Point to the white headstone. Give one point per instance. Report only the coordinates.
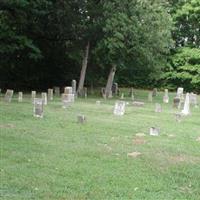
(186, 109)
(8, 96)
(166, 96)
(68, 90)
(119, 108)
(154, 131)
(20, 97)
(44, 98)
(67, 99)
(179, 92)
(38, 108)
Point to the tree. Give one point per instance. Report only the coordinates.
(136, 34)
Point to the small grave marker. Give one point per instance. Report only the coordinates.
(38, 108)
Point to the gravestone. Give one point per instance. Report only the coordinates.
(186, 109)
(44, 98)
(50, 94)
(176, 102)
(38, 108)
(155, 91)
(20, 97)
(67, 99)
(132, 94)
(166, 96)
(81, 119)
(154, 131)
(150, 96)
(193, 99)
(98, 102)
(74, 87)
(138, 103)
(8, 96)
(68, 90)
(115, 88)
(57, 91)
(158, 108)
(119, 108)
(33, 96)
(122, 96)
(179, 92)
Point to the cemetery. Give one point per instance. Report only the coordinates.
(100, 100)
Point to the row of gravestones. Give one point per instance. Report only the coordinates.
(190, 99)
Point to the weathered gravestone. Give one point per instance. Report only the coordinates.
(186, 109)
(50, 94)
(57, 91)
(119, 108)
(138, 103)
(33, 96)
(166, 96)
(67, 99)
(158, 108)
(193, 99)
(81, 119)
(38, 108)
(115, 89)
(68, 90)
(74, 87)
(179, 92)
(20, 97)
(8, 96)
(154, 131)
(176, 102)
(150, 96)
(44, 98)
(155, 91)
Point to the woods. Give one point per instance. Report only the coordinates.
(149, 43)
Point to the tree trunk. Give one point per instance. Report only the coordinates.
(108, 90)
(83, 69)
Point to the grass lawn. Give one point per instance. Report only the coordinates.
(56, 158)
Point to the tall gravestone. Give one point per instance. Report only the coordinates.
(166, 96)
(50, 94)
(150, 96)
(20, 97)
(57, 91)
(33, 96)
(44, 98)
(186, 109)
(74, 87)
(119, 108)
(8, 96)
(38, 110)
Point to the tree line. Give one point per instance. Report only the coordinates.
(138, 43)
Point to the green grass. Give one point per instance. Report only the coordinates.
(56, 158)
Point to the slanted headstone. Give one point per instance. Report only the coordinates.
(176, 102)
(119, 108)
(150, 96)
(57, 91)
(154, 131)
(20, 97)
(74, 87)
(8, 96)
(158, 108)
(44, 98)
(155, 91)
(166, 96)
(38, 108)
(33, 96)
(186, 109)
(50, 94)
(81, 119)
(138, 103)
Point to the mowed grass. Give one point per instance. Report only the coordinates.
(56, 158)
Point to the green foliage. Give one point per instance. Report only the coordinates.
(185, 70)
